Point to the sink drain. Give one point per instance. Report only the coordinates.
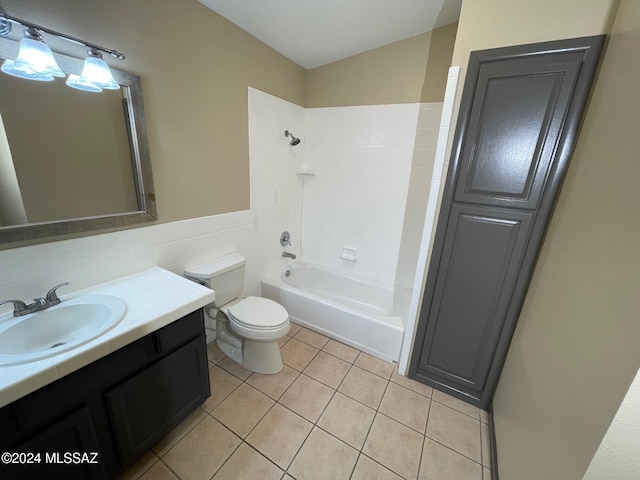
(56, 345)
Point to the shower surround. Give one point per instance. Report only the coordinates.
(359, 178)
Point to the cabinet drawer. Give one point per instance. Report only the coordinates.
(180, 332)
(147, 406)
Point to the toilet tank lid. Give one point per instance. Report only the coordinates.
(215, 267)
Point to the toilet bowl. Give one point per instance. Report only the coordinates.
(247, 330)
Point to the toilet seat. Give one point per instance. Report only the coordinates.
(257, 318)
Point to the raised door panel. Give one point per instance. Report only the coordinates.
(147, 406)
(483, 252)
(516, 120)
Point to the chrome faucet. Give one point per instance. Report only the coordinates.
(289, 255)
(41, 303)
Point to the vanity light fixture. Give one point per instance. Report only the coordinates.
(35, 60)
(96, 75)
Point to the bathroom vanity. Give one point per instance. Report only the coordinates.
(97, 420)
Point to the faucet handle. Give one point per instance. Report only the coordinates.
(52, 296)
(18, 306)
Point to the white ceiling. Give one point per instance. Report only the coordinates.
(316, 32)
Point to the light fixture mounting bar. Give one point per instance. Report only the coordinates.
(5, 28)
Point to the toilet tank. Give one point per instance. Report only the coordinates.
(224, 275)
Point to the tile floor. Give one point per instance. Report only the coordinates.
(332, 413)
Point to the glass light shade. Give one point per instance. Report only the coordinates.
(23, 71)
(38, 57)
(97, 71)
(81, 83)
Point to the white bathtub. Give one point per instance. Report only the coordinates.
(351, 310)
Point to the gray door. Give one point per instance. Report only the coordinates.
(520, 113)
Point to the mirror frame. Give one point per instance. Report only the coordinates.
(141, 166)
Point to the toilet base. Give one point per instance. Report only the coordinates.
(262, 357)
(230, 351)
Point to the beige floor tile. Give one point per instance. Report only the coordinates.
(293, 329)
(364, 387)
(243, 409)
(177, 433)
(311, 338)
(395, 446)
(214, 353)
(274, 385)
(279, 435)
(456, 404)
(486, 445)
(407, 407)
(455, 430)
(327, 369)
(412, 385)
(235, 368)
(347, 419)
(340, 350)
(202, 451)
(297, 354)
(486, 474)
(141, 465)
(222, 384)
(439, 462)
(283, 340)
(367, 469)
(375, 365)
(246, 463)
(307, 397)
(323, 457)
(159, 471)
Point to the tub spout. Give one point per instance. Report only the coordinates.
(289, 255)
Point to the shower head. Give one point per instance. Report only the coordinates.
(294, 141)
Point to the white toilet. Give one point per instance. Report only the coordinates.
(246, 330)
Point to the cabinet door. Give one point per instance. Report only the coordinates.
(519, 116)
(477, 271)
(147, 406)
(66, 451)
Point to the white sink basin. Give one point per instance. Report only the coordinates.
(75, 321)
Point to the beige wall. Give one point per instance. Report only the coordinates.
(440, 52)
(575, 350)
(195, 68)
(394, 73)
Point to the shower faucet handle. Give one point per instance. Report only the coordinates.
(285, 239)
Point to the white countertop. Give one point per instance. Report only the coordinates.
(154, 298)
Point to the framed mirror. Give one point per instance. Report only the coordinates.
(71, 161)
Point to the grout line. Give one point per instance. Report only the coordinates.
(177, 440)
(384, 466)
(169, 468)
(477, 419)
(403, 424)
(263, 455)
(454, 450)
(227, 459)
(353, 470)
(424, 439)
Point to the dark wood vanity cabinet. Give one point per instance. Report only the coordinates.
(97, 421)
